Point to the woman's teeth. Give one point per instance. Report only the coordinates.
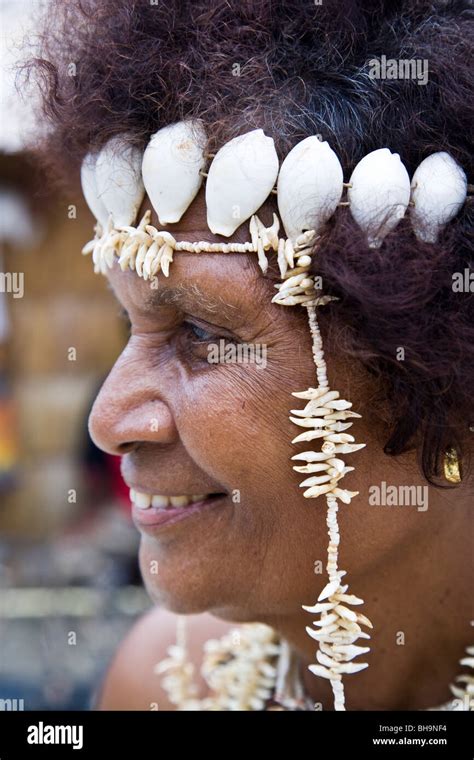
(146, 500)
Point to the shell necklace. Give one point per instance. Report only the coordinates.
(252, 668)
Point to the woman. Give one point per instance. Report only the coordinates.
(227, 535)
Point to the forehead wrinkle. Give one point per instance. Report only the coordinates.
(181, 295)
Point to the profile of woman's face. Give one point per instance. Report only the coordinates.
(186, 426)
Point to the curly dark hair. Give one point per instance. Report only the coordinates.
(295, 68)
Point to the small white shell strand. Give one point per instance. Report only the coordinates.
(439, 188)
(379, 193)
(149, 251)
(294, 261)
(309, 187)
(463, 689)
(239, 181)
(338, 627)
(171, 169)
(89, 188)
(119, 180)
(324, 417)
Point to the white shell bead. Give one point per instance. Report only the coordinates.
(89, 188)
(439, 188)
(171, 169)
(309, 186)
(379, 194)
(239, 181)
(119, 180)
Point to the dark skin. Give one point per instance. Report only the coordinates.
(218, 428)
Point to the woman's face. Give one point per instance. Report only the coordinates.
(185, 426)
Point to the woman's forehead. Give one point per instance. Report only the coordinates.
(222, 284)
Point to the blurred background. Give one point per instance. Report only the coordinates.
(69, 581)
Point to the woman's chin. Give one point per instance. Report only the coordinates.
(168, 586)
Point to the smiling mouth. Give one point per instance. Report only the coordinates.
(145, 501)
(154, 512)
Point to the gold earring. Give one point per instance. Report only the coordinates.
(452, 466)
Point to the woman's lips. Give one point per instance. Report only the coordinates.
(156, 510)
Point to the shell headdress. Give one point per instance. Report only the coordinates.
(309, 187)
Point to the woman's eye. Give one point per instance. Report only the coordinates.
(200, 344)
(201, 335)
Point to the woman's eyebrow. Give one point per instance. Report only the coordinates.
(191, 297)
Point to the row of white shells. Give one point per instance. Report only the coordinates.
(243, 173)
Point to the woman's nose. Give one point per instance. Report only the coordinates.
(128, 411)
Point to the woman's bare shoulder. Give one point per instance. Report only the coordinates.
(131, 683)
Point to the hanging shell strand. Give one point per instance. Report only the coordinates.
(325, 416)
